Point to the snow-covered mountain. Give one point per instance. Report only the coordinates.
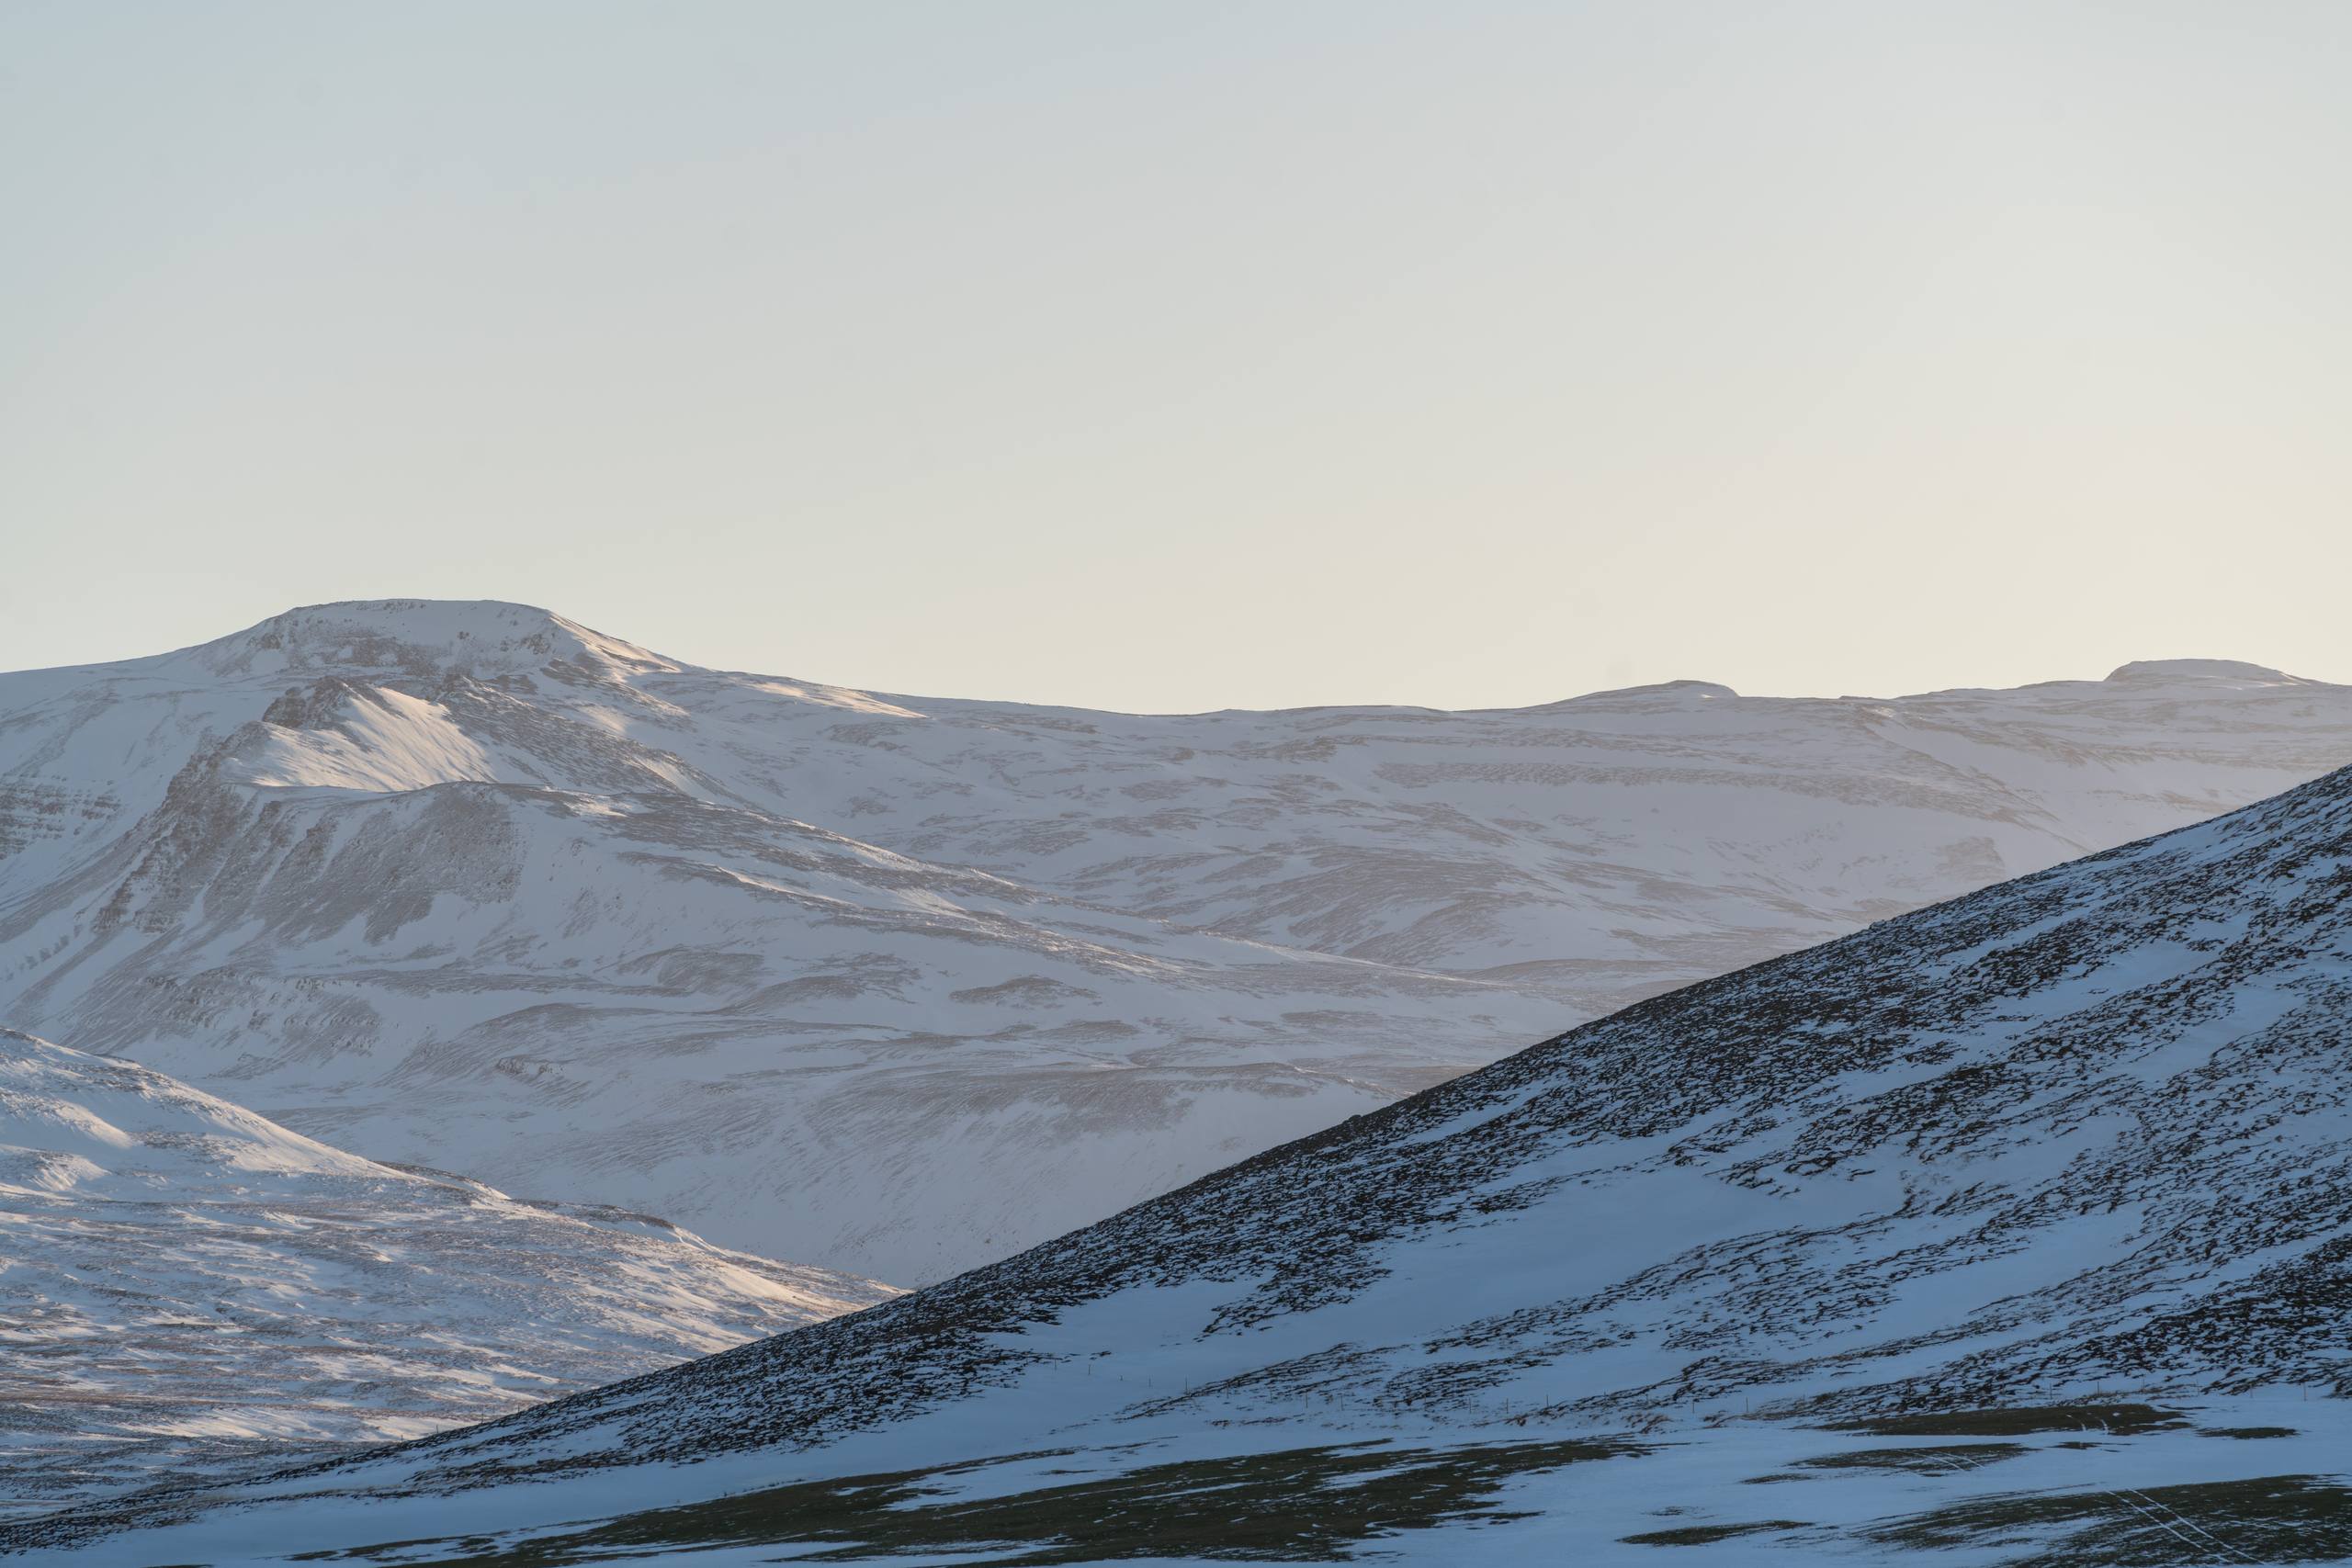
(186, 1287)
(900, 985)
(2020, 1224)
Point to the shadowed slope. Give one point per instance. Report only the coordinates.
(2088, 1129)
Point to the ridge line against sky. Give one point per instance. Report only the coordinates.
(397, 604)
(1162, 357)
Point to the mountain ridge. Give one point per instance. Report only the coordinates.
(473, 630)
(896, 983)
(2077, 1147)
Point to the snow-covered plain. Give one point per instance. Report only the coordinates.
(900, 985)
(2017, 1229)
(187, 1288)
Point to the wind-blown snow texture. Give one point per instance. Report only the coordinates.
(186, 1286)
(898, 985)
(2082, 1137)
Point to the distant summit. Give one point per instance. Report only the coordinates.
(1685, 690)
(424, 638)
(2205, 670)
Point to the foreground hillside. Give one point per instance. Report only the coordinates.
(186, 1287)
(2019, 1228)
(900, 985)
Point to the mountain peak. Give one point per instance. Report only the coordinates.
(1685, 691)
(2205, 670)
(424, 638)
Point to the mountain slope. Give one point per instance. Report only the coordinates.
(900, 985)
(185, 1286)
(2081, 1136)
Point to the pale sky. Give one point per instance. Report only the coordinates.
(1190, 355)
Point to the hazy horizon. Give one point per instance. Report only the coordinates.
(1167, 358)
